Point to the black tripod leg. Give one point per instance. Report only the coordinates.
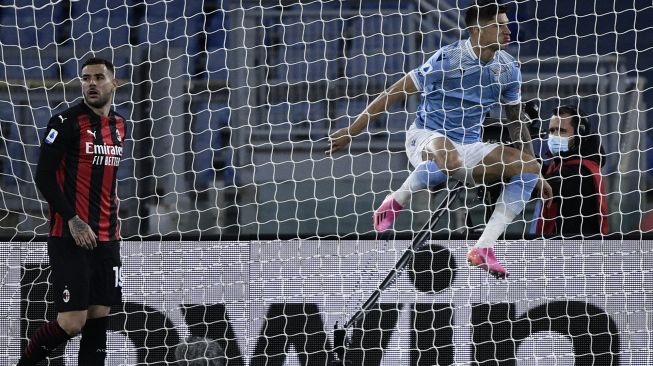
(339, 343)
(339, 335)
(417, 243)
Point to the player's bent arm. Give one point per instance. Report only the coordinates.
(521, 139)
(398, 91)
(518, 130)
(46, 181)
(395, 93)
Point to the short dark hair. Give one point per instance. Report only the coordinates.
(98, 61)
(579, 120)
(483, 10)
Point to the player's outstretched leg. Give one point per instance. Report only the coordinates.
(511, 202)
(426, 174)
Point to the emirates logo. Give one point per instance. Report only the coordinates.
(66, 295)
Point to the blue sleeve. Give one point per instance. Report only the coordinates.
(511, 93)
(428, 73)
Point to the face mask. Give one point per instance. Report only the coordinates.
(558, 144)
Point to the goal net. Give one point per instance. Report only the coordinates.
(239, 231)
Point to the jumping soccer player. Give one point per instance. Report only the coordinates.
(459, 85)
(76, 174)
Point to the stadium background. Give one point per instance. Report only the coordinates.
(230, 104)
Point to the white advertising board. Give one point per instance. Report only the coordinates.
(575, 302)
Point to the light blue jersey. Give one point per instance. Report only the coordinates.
(458, 90)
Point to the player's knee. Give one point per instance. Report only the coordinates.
(71, 325)
(448, 161)
(429, 174)
(521, 167)
(531, 167)
(453, 163)
(72, 329)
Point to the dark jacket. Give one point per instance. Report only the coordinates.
(579, 201)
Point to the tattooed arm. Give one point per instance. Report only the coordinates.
(521, 138)
(82, 233)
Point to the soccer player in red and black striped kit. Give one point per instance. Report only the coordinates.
(76, 174)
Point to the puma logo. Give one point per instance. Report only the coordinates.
(91, 133)
(61, 118)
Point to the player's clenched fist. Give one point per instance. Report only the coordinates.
(338, 140)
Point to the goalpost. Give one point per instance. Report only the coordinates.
(238, 229)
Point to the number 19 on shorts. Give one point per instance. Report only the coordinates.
(117, 271)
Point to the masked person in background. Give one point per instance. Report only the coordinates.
(574, 173)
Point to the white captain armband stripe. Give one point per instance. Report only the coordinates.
(514, 102)
(413, 76)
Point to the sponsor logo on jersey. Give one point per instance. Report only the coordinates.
(104, 154)
(103, 149)
(52, 135)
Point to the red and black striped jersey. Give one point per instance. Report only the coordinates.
(83, 151)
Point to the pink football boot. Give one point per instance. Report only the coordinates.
(484, 258)
(385, 215)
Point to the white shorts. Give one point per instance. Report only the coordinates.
(471, 154)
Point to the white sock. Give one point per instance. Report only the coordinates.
(497, 224)
(411, 185)
(511, 202)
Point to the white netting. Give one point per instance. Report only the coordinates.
(229, 104)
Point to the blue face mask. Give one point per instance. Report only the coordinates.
(558, 144)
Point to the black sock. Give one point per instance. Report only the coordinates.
(44, 340)
(93, 345)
